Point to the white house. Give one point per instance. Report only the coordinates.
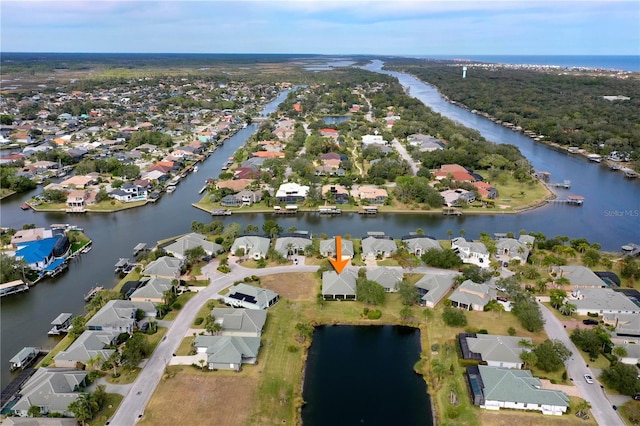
(471, 252)
(292, 192)
(373, 140)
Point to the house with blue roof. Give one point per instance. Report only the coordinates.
(41, 254)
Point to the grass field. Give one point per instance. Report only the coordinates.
(108, 410)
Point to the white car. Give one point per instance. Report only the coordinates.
(588, 379)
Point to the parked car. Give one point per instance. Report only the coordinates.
(590, 322)
(502, 299)
(636, 397)
(588, 379)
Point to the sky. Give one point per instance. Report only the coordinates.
(390, 27)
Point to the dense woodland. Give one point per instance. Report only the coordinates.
(567, 109)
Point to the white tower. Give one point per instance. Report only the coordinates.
(464, 72)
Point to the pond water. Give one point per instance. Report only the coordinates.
(364, 375)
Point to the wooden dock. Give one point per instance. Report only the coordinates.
(13, 287)
(220, 212)
(367, 210)
(451, 211)
(329, 210)
(92, 293)
(576, 200)
(566, 184)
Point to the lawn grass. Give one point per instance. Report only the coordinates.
(185, 346)
(107, 411)
(182, 300)
(61, 346)
(126, 376)
(388, 262)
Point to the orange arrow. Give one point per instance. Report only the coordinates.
(338, 263)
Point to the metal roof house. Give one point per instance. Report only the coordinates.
(328, 248)
(90, 344)
(389, 278)
(374, 246)
(165, 266)
(190, 241)
(292, 245)
(496, 351)
(120, 316)
(417, 244)
(250, 297)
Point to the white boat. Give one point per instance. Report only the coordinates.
(195, 169)
(595, 158)
(170, 189)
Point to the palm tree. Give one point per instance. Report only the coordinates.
(462, 233)
(202, 363)
(529, 358)
(619, 351)
(567, 309)
(449, 233)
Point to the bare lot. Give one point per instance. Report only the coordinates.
(509, 418)
(292, 286)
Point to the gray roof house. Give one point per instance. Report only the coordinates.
(228, 352)
(433, 287)
(471, 252)
(510, 248)
(626, 325)
(253, 246)
(472, 296)
(190, 241)
(240, 322)
(119, 315)
(579, 276)
(389, 278)
(250, 297)
(602, 301)
(339, 286)
(328, 248)
(633, 353)
(496, 351)
(417, 244)
(151, 290)
(90, 344)
(374, 246)
(39, 421)
(292, 245)
(51, 389)
(165, 266)
(498, 387)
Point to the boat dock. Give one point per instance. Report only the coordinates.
(61, 324)
(92, 293)
(631, 249)
(122, 265)
(291, 209)
(25, 357)
(13, 287)
(329, 210)
(631, 174)
(139, 248)
(565, 184)
(220, 212)
(576, 200)
(451, 211)
(366, 210)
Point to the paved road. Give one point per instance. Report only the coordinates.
(132, 407)
(601, 407)
(404, 154)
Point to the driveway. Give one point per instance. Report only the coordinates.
(404, 154)
(601, 406)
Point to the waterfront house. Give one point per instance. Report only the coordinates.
(472, 296)
(457, 197)
(128, 193)
(41, 254)
(165, 266)
(494, 350)
(79, 199)
(433, 287)
(240, 322)
(425, 143)
(602, 301)
(23, 358)
(493, 388)
(292, 192)
(418, 245)
(475, 253)
(250, 297)
(339, 286)
(632, 349)
(190, 241)
(152, 290)
(370, 194)
(90, 345)
(77, 182)
(26, 235)
(235, 185)
(328, 248)
(337, 194)
(292, 245)
(375, 246)
(253, 246)
(453, 172)
(120, 316)
(51, 390)
(579, 276)
(389, 278)
(228, 352)
(486, 191)
(511, 249)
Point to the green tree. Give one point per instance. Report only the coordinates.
(271, 228)
(557, 297)
(622, 377)
(529, 358)
(568, 309)
(406, 312)
(408, 293)
(134, 351)
(305, 331)
(454, 317)
(619, 351)
(551, 355)
(209, 324)
(194, 254)
(370, 292)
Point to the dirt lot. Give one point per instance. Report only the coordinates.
(215, 398)
(507, 418)
(293, 286)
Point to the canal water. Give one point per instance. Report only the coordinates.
(609, 217)
(364, 375)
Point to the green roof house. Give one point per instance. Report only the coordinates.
(389, 278)
(253, 246)
(190, 241)
(228, 352)
(328, 248)
(240, 322)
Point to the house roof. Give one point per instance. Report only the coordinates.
(228, 349)
(371, 245)
(497, 348)
(386, 277)
(423, 243)
(299, 243)
(436, 286)
(253, 244)
(330, 246)
(153, 289)
(474, 247)
(90, 344)
(164, 266)
(504, 384)
(241, 320)
(37, 250)
(261, 296)
(603, 299)
(578, 275)
(626, 324)
(470, 293)
(119, 313)
(339, 284)
(235, 184)
(192, 240)
(54, 388)
(292, 188)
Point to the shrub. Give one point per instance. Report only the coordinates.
(593, 314)
(471, 329)
(454, 317)
(435, 347)
(177, 306)
(483, 331)
(374, 315)
(292, 348)
(365, 310)
(511, 331)
(199, 321)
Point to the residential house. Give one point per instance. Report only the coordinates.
(579, 276)
(26, 235)
(472, 296)
(339, 286)
(120, 316)
(51, 390)
(240, 322)
(250, 297)
(129, 193)
(235, 185)
(418, 245)
(373, 140)
(253, 246)
(90, 345)
(328, 248)
(79, 199)
(389, 278)
(292, 192)
(190, 241)
(454, 172)
(337, 194)
(370, 194)
(632, 356)
(510, 248)
(77, 182)
(228, 352)
(165, 266)
(495, 387)
(242, 198)
(41, 254)
(152, 289)
(602, 301)
(433, 287)
(330, 133)
(494, 350)
(250, 173)
(475, 253)
(457, 197)
(627, 326)
(486, 191)
(292, 245)
(425, 143)
(375, 246)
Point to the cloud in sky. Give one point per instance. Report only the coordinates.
(305, 26)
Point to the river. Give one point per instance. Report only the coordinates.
(609, 216)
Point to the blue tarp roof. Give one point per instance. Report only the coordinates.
(38, 250)
(54, 265)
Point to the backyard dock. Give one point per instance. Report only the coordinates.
(92, 293)
(329, 210)
(366, 210)
(220, 212)
(13, 287)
